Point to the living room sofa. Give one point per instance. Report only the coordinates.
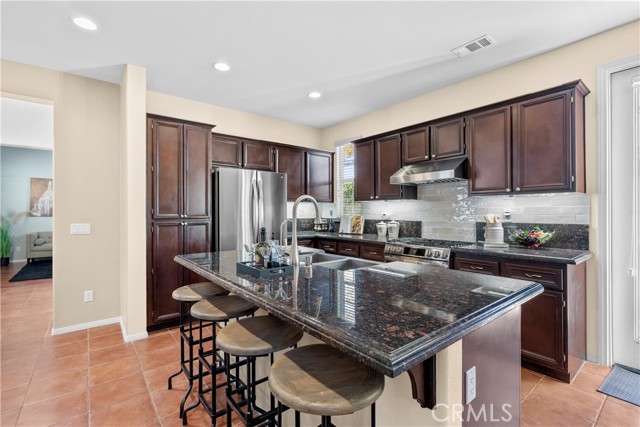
(39, 245)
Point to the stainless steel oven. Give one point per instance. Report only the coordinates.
(421, 251)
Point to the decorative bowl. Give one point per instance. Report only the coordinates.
(532, 238)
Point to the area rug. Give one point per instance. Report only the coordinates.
(34, 270)
(622, 383)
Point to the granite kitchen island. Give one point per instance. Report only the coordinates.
(394, 320)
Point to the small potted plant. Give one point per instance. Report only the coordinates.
(5, 241)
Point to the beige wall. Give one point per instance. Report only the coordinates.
(233, 122)
(577, 61)
(85, 172)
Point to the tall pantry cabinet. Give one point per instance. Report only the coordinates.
(178, 209)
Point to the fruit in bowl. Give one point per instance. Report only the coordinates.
(532, 239)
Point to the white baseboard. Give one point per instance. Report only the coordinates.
(134, 337)
(18, 260)
(88, 325)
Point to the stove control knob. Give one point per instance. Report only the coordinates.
(445, 255)
(429, 252)
(436, 254)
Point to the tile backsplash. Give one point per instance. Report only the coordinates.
(448, 212)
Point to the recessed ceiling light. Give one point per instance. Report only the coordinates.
(85, 23)
(221, 66)
(314, 95)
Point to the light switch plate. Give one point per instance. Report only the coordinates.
(80, 228)
(470, 381)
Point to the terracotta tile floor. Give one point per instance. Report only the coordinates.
(93, 378)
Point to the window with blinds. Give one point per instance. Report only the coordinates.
(345, 175)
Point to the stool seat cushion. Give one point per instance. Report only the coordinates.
(198, 291)
(320, 380)
(222, 308)
(257, 336)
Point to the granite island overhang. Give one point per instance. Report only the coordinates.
(388, 322)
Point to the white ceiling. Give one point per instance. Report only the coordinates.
(26, 124)
(361, 55)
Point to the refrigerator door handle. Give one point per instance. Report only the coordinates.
(254, 210)
(260, 205)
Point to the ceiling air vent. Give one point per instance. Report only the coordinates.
(474, 46)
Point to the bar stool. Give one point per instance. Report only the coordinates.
(187, 295)
(218, 309)
(319, 380)
(249, 339)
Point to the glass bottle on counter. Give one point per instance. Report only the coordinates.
(263, 256)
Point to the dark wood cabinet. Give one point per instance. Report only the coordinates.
(554, 322)
(388, 161)
(329, 246)
(415, 146)
(226, 151)
(179, 157)
(542, 330)
(364, 166)
(372, 251)
(447, 138)
(349, 249)
(375, 161)
(488, 135)
(488, 267)
(319, 175)
(533, 145)
(257, 155)
(542, 144)
(291, 161)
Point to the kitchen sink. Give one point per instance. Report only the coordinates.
(345, 264)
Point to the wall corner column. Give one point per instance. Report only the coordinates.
(133, 277)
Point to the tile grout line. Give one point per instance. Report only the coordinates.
(146, 383)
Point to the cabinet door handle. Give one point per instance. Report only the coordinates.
(433, 156)
(426, 157)
(377, 197)
(348, 249)
(508, 190)
(533, 276)
(473, 267)
(371, 197)
(373, 253)
(517, 188)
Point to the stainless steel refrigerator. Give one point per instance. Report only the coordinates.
(243, 202)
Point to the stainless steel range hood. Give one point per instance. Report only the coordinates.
(432, 172)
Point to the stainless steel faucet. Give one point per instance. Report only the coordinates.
(283, 232)
(294, 226)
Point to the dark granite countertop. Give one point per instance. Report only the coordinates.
(368, 238)
(557, 255)
(388, 322)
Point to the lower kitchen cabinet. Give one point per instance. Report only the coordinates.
(372, 251)
(553, 324)
(349, 249)
(329, 246)
(168, 239)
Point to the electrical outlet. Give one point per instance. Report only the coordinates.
(88, 296)
(18, 248)
(385, 216)
(470, 381)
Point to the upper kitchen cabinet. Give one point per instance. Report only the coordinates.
(291, 160)
(179, 157)
(226, 151)
(489, 141)
(319, 175)
(415, 147)
(530, 145)
(258, 155)
(233, 151)
(375, 161)
(447, 138)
